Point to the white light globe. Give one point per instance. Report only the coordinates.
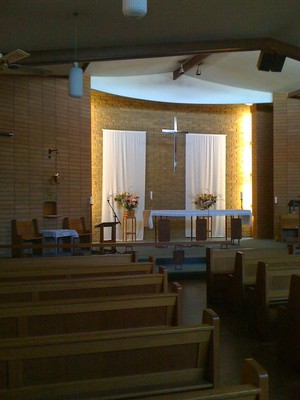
(135, 8)
(75, 81)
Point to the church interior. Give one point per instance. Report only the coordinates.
(150, 211)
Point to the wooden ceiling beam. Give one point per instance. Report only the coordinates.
(294, 95)
(66, 56)
(189, 64)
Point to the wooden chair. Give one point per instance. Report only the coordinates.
(23, 232)
(78, 224)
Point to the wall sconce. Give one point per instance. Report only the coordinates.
(56, 178)
(4, 133)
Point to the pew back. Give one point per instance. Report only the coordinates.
(93, 260)
(36, 292)
(289, 325)
(271, 290)
(91, 314)
(219, 263)
(132, 362)
(273, 281)
(246, 267)
(40, 272)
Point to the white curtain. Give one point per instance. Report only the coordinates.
(124, 160)
(206, 172)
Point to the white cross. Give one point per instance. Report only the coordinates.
(174, 131)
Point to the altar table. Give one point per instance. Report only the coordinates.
(59, 233)
(245, 215)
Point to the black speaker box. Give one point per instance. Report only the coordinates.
(270, 61)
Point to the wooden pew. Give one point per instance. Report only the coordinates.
(91, 314)
(245, 267)
(38, 272)
(289, 326)
(271, 290)
(219, 263)
(108, 364)
(25, 232)
(254, 385)
(37, 292)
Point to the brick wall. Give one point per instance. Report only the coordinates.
(116, 112)
(286, 154)
(43, 116)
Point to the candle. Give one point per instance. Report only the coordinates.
(241, 195)
(151, 195)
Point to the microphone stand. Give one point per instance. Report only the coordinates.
(116, 218)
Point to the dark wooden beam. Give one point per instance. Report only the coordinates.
(189, 64)
(294, 95)
(66, 56)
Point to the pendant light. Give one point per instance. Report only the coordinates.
(135, 8)
(76, 73)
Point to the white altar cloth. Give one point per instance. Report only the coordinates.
(59, 233)
(244, 214)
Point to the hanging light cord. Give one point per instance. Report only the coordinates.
(75, 35)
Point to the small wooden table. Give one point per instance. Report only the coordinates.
(57, 234)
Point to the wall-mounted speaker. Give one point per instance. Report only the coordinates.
(270, 61)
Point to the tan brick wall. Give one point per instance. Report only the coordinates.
(286, 154)
(43, 116)
(116, 112)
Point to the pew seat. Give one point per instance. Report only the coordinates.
(254, 385)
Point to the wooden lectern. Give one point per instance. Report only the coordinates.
(113, 227)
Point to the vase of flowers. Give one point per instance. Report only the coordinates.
(128, 201)
(204, 201)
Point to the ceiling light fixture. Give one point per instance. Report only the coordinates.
(76, 73)
(135, 8)
(198, 72)
(181, 69)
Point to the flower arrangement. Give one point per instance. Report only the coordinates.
(204, 201)
(127, 200)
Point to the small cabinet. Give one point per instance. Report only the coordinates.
(289, 224)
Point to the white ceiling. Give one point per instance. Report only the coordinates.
(117, 49)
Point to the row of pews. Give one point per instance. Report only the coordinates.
(107, 327)
(264, 285)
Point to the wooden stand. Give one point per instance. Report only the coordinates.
(112, 226)
(203, 228)
(236, 229)
(164, 230)
(129, 225)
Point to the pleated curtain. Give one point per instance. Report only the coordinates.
(124, 165)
